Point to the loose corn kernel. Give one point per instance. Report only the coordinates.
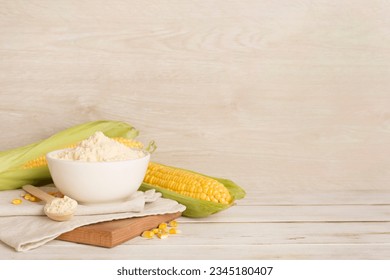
(162, 226)
(155, 230)
(56, 194)
(163, 231)
(148, 234)
(174, 231)
(173, 223)
(33, 199)
(16, 201)
(162, 235)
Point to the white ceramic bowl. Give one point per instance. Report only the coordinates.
(97, 182)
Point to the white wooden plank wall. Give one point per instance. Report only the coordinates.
(290, 99)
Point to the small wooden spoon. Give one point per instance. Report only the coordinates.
(48, 199)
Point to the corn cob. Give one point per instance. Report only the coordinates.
(202, 195)
(13, 171)
(187, 183)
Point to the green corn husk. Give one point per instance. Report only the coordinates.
(197, 208)
(12, 174)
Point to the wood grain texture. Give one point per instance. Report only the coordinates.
(112, 233)
(220, 252)
(290, 99)
(301, 213)
(242, 241)
(294, 94)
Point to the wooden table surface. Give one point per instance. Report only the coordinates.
(290, 99)
(329, 225)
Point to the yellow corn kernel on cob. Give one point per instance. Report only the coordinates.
(41, 160)
(202, 195)
(187, 183)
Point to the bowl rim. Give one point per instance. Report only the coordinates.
(49, 156)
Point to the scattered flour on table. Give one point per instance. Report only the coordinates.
(61, 206)
(99, 147)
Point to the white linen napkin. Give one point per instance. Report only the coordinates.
(25, 226)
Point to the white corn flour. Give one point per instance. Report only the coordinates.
(61, 206)
(99, 147)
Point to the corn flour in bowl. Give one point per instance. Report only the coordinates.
(98, 170)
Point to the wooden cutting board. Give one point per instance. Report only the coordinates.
(112, 233)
